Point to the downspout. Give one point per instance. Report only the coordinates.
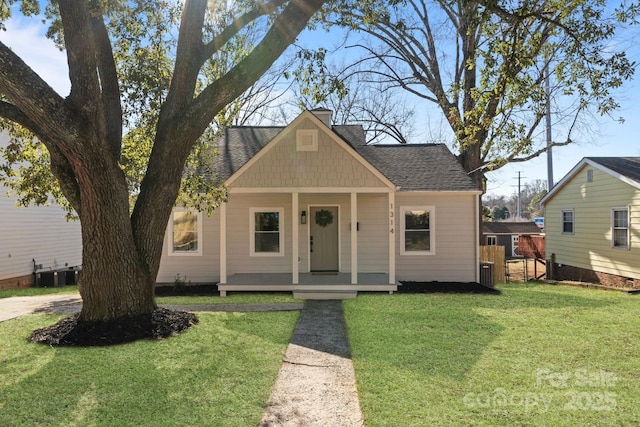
(477, 233)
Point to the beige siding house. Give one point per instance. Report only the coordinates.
(592, 222)
(34, 239)
(313, 207)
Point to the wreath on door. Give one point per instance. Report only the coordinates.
(324, 218)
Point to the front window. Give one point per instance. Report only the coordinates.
(620, 227)
(185, 229)
(267, 231)
(567, 221)
(417, 230)
(492, 240)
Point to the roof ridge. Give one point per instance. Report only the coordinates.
(254, 127)
(418, 144)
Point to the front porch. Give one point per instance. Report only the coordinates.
(310, 285)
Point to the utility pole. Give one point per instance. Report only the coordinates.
(519, 215)
(547, 89)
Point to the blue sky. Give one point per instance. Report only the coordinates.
(601, 135)
(607, 136)
(610, 138)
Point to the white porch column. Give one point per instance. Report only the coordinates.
(222, 211)
(354, 238)
(295, 228)
(392, 238)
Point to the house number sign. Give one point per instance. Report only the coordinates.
(391, 218)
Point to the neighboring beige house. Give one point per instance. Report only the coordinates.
(592, 222)
(36, 239)
(313, 208)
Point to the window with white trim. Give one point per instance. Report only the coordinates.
(567, 221)
(492, 240)
(267, 231)
(620, 228)
(185, 232)
(417, 236)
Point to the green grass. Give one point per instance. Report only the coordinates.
(29, 292)
(218, 373)
(536, 355)
(233, 298)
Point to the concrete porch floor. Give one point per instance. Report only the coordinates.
(310, 286)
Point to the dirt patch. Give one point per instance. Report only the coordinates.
(521, 270)
(161, 323)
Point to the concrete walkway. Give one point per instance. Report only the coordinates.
(316, 384)
(12, 307)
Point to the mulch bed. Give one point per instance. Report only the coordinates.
(162, 323)
(188, 290)
(445, 287)
(407, 287)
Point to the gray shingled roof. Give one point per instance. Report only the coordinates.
(625, 166)
(412, 167)
(510, 228)
(239, 145)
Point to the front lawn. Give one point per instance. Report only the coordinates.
(535, 355)
(219, 372)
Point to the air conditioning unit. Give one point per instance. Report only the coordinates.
(46, 279)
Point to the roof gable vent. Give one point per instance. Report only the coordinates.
(307, 140)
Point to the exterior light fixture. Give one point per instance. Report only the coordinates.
(303, 217)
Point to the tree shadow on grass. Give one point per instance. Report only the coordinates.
(445, 334)
(444, 341)
(193, 379)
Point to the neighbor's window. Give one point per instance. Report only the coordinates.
(492, 240)
(620, 227)
(267, 231)
(567, 221)
(185, 229)
(417, 230)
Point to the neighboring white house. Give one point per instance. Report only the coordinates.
(312, 205)
(592, 222)
(36, 238)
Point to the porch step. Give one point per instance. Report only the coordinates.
(310, 287)
(326, 294)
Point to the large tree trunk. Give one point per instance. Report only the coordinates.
(471, 162)
(116, 281)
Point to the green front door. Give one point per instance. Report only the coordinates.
(323, 238)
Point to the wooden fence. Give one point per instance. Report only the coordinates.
(494, 254)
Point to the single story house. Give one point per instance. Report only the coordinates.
(507, 234)
(592, 222)
(312, 207)
(35, 242)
